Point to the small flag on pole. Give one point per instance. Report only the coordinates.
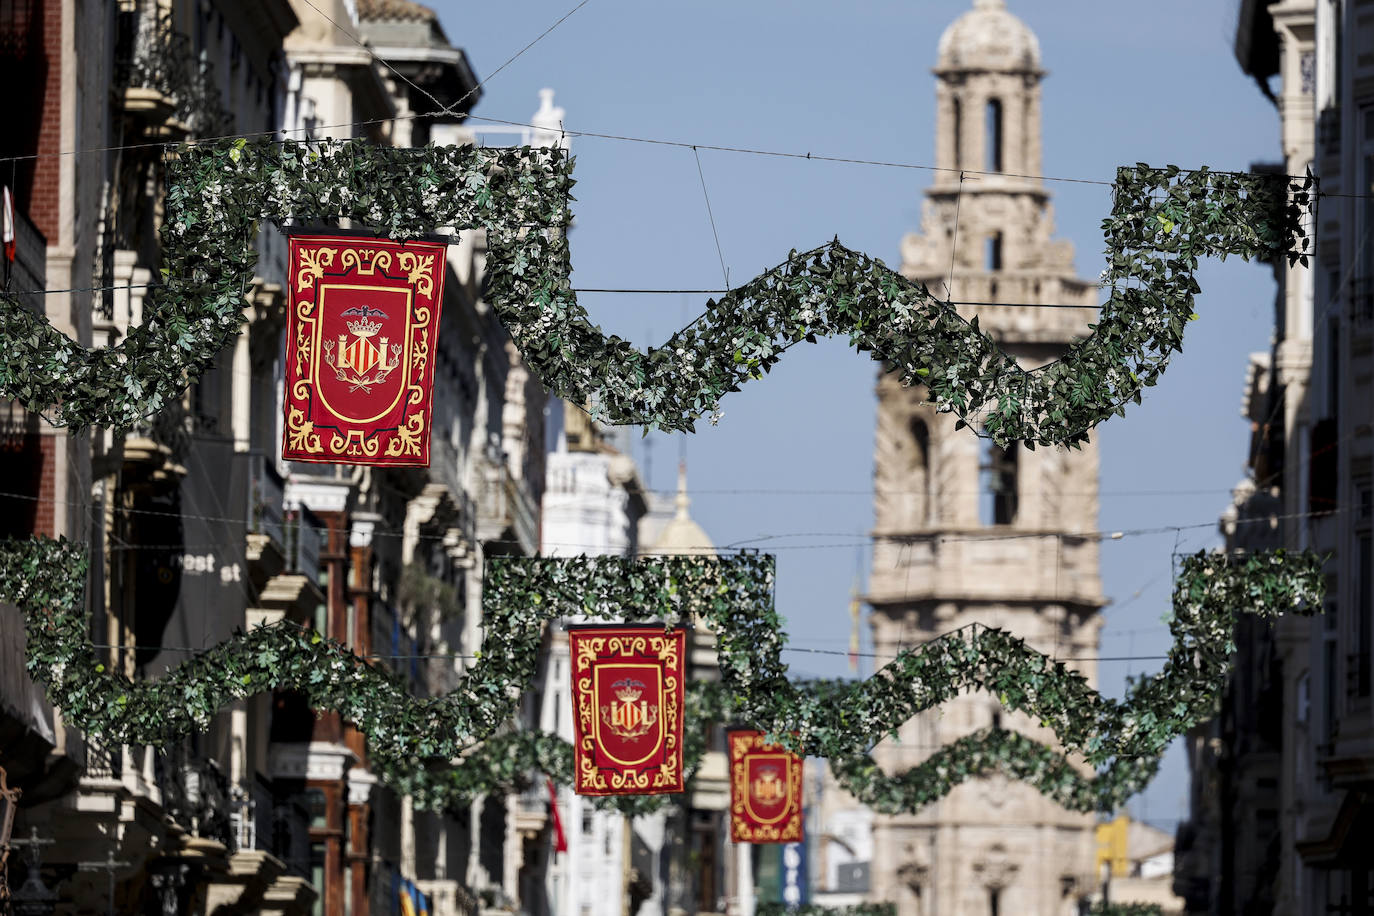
(560, 839)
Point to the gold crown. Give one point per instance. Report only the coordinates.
(628, 691)
(365, 328)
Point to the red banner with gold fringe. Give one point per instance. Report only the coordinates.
(627, 692)
(361, 334)
(765, 790)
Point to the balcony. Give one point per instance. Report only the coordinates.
(166, 91)
(269, 854)
(266, 539)
(304, 541)
(195, 795)
(506, 510)
(532, 809)
(295, 589)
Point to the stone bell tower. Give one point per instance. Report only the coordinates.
(969, 532)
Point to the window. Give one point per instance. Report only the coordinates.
(992, 252)
(1364, 226)
(1330, 665)
(1333, 366)
(916, 487)
(958, 134)
(1364, 606)
(994, 901)
(318, 806)
(992, 132)
(317, 877)
(997, 484)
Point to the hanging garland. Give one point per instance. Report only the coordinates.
(732, 596)
(812, 909)
(216, 195)
(504, 763)
(1162, 222)
(1126, 909)
(995, 750)
(46, 579)
(838, 720)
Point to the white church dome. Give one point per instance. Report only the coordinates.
(988, 37)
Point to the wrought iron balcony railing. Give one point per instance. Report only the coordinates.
(152, 55)
(195, 793)
(304, 540)
(265, 493)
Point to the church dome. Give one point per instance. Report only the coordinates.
(682, 535)
(988, 37)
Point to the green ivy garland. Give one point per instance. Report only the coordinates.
(733, 596)
(216, 195)
(812, 909)
(1126, 909)
(838, 720)
(1162, 222)
(503, 763)
(995, 750)
(46, 578)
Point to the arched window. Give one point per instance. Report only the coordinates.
(958, 134)
(997, 484)
(917, 495)
(920, 440)
(992, 253)
(992, 132)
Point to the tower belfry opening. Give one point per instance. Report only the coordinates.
(967, 531)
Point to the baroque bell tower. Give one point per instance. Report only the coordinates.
(969, 532)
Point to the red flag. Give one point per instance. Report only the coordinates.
(360, 349)
(560, 839)
(627, 690)
(765, 790)
(7, 224)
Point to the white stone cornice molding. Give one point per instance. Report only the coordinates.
(321, 761)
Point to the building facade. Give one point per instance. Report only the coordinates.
(967, 531)
(1281, 819)
(594, 501)
(197, 528)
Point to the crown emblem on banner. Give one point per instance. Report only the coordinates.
(628, 716)
(627, 691)
(364, 327)
(768, 786)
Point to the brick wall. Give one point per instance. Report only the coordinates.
(27, 469)
(43, 204)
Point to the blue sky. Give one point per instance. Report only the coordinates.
(793, 454)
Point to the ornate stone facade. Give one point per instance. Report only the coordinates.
(967, 531)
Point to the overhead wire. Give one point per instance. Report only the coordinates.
(748, 544)
(602, 135)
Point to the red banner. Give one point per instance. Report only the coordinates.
(765, 790)
(627, 692)
(361, 336)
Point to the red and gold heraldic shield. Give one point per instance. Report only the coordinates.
(361, 335)
(627, 690)
(765, 790)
